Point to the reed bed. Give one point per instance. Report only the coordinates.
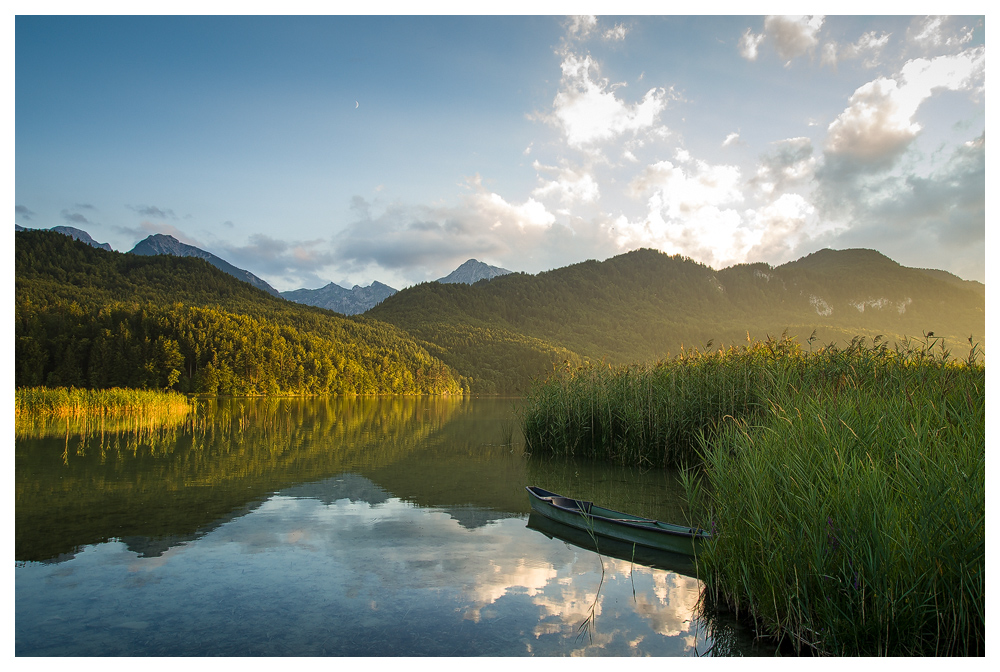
(650, 415)
(845, 487)
(62, 402)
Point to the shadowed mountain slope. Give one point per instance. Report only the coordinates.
(645, 305)
(163, 244)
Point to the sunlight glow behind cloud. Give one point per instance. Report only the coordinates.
(724, 139)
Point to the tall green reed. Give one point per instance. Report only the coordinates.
(845, 486)
(649, 415)
(851, 515)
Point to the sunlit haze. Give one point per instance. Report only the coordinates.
(393, 148)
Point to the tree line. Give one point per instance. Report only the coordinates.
(90, 318)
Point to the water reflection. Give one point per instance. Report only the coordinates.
(305, 575)
(326, 527)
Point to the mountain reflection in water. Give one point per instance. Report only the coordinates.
(326, 527)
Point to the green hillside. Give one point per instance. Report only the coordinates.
(645, 305)
(90, 318)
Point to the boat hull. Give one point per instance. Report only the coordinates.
(657, 558)
(616, 525)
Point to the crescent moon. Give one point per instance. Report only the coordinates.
(355, 104)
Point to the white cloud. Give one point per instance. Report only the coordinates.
(616, 34)
(921, 219)
(793, 36)
(691, 188)
(878, 123)
(782, 226)
(789, 36)
(589, 112)
(868, 47)
(689, 211)
(579, 27)
(421, 242)
(569, 186)
(730, 139)
(934, 33)
(789, 166)
(749, 45)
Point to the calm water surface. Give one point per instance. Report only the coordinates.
(350, 527)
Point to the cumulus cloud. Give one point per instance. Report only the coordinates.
(569, 185)
(789, 36)
(781, 227)
(588, 111)
(23, 212)
(691, 187)
(924, 219)
(793, 36)
(732, 138)
(878, 124)
(420, 242)
(791, 164)
(691, 209)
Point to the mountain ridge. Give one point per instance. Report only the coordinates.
(640, 306)
(347, 301)
(86, 317)
(72, 232)
(472, 271)
(644, 305)
(160, 243)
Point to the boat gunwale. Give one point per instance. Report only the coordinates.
(586, 510)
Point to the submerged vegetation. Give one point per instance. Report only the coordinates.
(845, 486)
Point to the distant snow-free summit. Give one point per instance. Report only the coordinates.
(472, 272)
(359, 299)
(73, 232)
(160, 243)
(346, 301)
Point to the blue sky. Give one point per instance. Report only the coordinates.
(393, 148)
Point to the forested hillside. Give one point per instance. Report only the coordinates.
(646, 305)
(87, 317)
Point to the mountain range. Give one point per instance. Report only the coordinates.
(87, 317)
(346, 301)
(333, 297)
(644, 305)
(361, 299)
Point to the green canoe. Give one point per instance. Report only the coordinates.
(625, 527)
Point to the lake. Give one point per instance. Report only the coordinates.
(336, 527)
